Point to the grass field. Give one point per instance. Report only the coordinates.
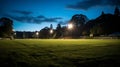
(60, 53)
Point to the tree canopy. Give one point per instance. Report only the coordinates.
(6, 29)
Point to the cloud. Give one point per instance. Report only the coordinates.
(31, 19)
(40, 16)
(22, 12)
(52, 19)
(26, 17)
(49, 19)
(86, 4)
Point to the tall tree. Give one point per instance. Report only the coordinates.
(116, 12)
(78, 20)
(103, 13)
(58, 31)
(6, 29)
(51, 26)
(45, 32)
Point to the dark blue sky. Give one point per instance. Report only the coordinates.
(33, 15)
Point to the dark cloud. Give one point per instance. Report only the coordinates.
(52, 19)
(86, 4)
(26, 17)
(41, 16)
(57, 18)
(22, 12)
(48, 19)
(31, 19)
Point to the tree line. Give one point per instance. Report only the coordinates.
(105, 24)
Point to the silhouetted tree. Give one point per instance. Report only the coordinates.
(96, 30)
(105, 24)
(116, 12)
(51, 26)
(45, 32)
(103, 13)
(58, 31)
(78, 20)
(6, 29)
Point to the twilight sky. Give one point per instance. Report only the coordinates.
(33, 15)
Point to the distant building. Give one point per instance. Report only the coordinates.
(24, 34)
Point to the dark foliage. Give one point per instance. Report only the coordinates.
(103, 25)
(6, 29)
(58, 31)
(78, 21)
(45, 32)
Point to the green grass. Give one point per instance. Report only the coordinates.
(60, 53)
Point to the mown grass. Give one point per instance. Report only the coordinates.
(60, 53)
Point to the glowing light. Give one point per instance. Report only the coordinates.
(70, 26)
(14, 33)
(51, 31)
(37, 33)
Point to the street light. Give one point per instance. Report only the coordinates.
(37, 33)
(51, 31)
(70, 26)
